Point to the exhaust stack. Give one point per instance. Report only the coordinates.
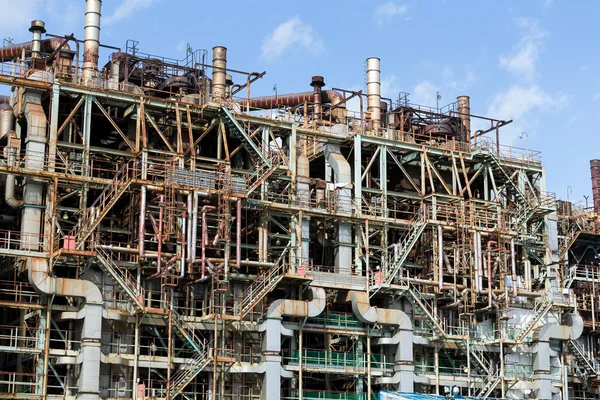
(464, 113)
(374, 90)
(595, 170)
(91, 40)
(37, 28)
(219, 89)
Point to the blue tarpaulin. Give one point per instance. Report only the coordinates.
(384, 395)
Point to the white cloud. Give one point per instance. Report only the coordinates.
(522, 62)
(523, 104)
(126, 9)
(389, 88)
(18, 14)
(547, 3)
(385, 13)
(293, 32)
(424, 93)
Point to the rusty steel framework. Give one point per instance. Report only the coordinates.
(163, 237)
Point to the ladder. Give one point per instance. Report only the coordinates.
(91, 217)
(238, 130)
(121, 276)
(260, 287)
(190, 370)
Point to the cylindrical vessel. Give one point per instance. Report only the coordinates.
(374, 89)
(464, 113)
(91, 39)
(595, 170)
(219, 73)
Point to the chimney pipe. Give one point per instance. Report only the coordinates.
(374, 90)
(595, 170)
(219, 73)
(91, 40)
(317, 83)
(464, 113)
(37, 28)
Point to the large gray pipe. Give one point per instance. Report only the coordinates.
(219, 89)
(374, 90)
(343, 201)
(89, 377)
(6, 130)
(91, 40)
(35, 150)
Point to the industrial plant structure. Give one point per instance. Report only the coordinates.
(165, 234)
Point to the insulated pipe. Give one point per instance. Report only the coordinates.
(204, 238)
(41, 281)
(464, 113)
(489, 271)
(190, 201)
(513, 266)
(238, 237)
(142, 220)
(159, 236)
(183, 244)
(91, 40)
(292, 99)
(219, 73)
(194, 240)
(374, 90)
(299, 308)
(440, 258)
(6, 129)
(11, 52)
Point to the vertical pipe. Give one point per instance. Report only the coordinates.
(464, 113)
(374, 90)
(159, 236)
(440, 258)
(194, 226)
(183, 244)
(317, 83)
(595, 172)
(513, 266)
(204, 240)
(219, 73)
(238, 235)
(489, 271)
(142, 221)
(189, 227)
(91, 39)
(37, 28)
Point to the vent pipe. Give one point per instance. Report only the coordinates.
(374, 90)
(37, 28)
(595, 170)
(464, 113)
(219, 73)
(91, 40)
(317, 83)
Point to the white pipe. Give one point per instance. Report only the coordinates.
(142, 221)
(189, 227)
(6, 129)
(91, 40)
(513, 266)
(238, 237)
(195, 226)
(183, 244)
(37, 28)
(374, 90)
(440, 258)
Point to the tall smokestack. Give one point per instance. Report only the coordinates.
(374, 90)
(91, 40)
(595, 170)
(464, 113)
(37, 28)
(219, 89)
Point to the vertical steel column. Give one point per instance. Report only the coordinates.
(53, 127)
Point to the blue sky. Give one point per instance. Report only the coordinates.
(532, 61)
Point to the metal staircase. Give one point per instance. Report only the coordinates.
(260, 287)
(238, 130)
(122, 277)
(186, 330)
(406, 243)
(591, 371)
(190, 370)
(489, 383)
(419, 302)
(541, 306)
(92, 216)
(261, 173)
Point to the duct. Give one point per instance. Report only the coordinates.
(343, 203)
(219, 73)
(91, 40)
(572, 330)
(464, 113)
(9, 53)
(374, 90)
(403, 339)
(299, 308)
(35, 146)
(293, 99)
(271, 388)
(89, 387)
